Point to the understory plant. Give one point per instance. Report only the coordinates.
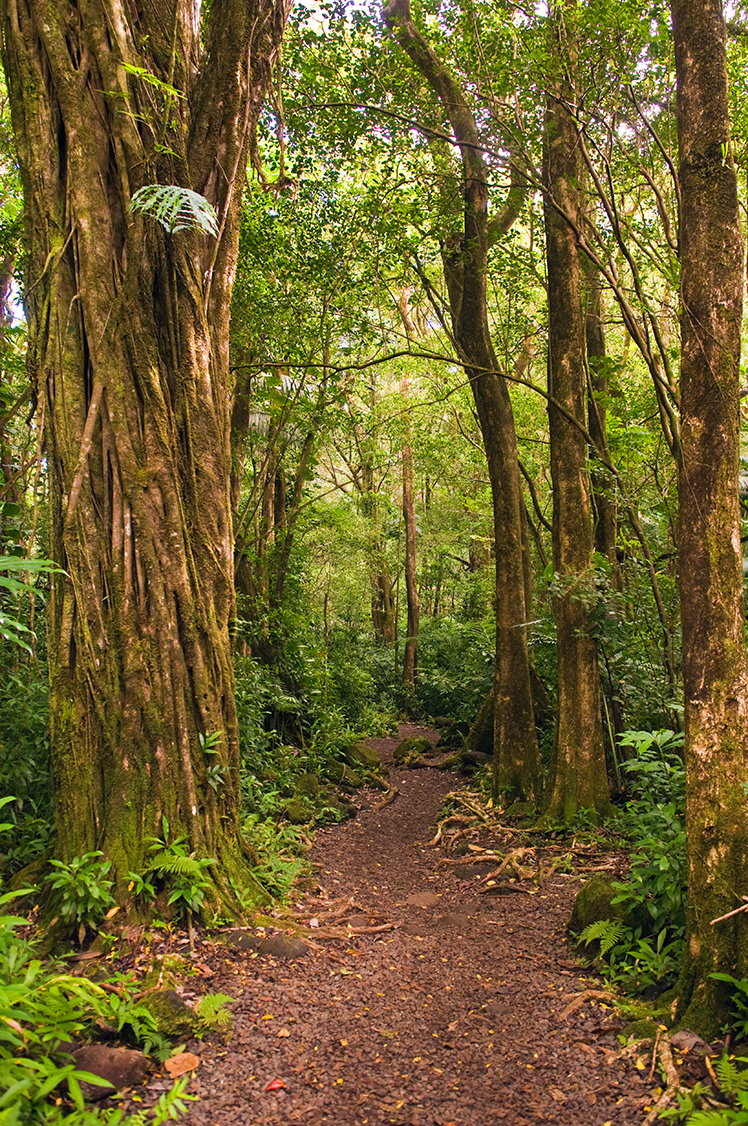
(644, 952)
(41, 1010)
(733, 1084)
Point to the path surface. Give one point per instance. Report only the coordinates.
(450, 1019)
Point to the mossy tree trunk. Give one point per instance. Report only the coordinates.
(517, 767)
(128, 348)
(578, 778)
(715, 681)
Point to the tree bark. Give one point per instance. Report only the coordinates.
(411, 584)
(578, 778)
(517, 767)
(128, 329)
(714, 660)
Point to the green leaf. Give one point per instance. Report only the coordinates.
(176, 209)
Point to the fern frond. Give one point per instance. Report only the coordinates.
(176, 209)
(171, 864)
(732, 1078)
(608, 932)
(213, 1012)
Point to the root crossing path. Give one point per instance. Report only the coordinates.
(442, 1006)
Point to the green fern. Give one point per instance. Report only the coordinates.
(608, 932)
(732, 1078)
(172, 864)
(213, 1012)
(176, 209)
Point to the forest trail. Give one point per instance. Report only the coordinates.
(450, 1018)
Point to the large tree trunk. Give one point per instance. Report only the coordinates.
(578, 778)
(714, 661)
(128, 348)
(517, 768)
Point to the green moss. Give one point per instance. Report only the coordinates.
(640, 1030)
(363, 755)
(411, 750)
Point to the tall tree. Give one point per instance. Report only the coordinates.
(517, 770)
(715, 679)
(128, 328)
(578, 778)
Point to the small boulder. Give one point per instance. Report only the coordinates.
(307, 785)
(474, 760)
(521, 810)
(243, 941)
(341, 772)
(362, 754)
(118, 1067)
(411, 750)
(297, 811)
(173, 1017)
(283, 946)
(594, 903)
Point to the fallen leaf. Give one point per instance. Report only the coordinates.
(451, 1027)
(181, 1064)
(111, 913)
(276, 1085)
(284, 1032)
(268, 1016)
(314, 923)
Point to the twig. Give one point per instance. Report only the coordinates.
(729, 915)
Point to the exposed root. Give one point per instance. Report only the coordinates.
(672, 1080)
(476, 858)
(589, 995)
(388, 798)
(512, 861)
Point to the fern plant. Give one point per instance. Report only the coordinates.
(608, 932)
(175, 208)
(182, 873)
(734, 1083)
(213, 1012)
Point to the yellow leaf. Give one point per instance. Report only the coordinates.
(640, 1064)
(268, 1016)
(111, 913)
(344, 1043)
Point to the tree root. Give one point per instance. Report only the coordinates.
(672, 1080)
(578, 1000)
(388, 798)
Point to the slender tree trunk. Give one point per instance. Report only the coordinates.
(128, 330)
(517, 768)
(603, 485)
(411, 584)
(578, 777)
(715, 680)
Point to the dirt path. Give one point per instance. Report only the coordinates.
(451, 1018)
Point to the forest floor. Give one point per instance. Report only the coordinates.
(454, 1016)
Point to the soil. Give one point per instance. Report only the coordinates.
(453, 1016)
